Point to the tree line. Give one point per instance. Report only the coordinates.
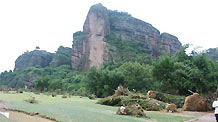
(175, 75)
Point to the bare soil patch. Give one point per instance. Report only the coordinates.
(21, 117)
(204, 117)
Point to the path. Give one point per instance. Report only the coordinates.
(209, 117)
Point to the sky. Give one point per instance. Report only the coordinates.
(25, 24)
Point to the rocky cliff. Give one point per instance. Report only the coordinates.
(111, 36)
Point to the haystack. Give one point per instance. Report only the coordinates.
(133, 110)
(170, 108)
(151, 94)
(195, 103)
(31, 100)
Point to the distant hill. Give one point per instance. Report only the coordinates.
(35, 58)
(41, 58)
(212, 53)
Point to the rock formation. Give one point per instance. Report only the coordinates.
(104, 31)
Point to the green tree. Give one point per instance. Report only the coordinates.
(136, 76)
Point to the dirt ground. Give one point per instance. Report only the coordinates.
(204, 117)
(21, 117)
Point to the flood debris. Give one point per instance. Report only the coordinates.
(123, 97)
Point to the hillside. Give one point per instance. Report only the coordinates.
(42, 58)
(112, 36)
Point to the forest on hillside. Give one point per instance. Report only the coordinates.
(169, 74)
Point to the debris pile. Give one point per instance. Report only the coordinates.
(133, 110)
(123, 97)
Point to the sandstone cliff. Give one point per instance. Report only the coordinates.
(111, 36)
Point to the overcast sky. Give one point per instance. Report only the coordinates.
(25, 24)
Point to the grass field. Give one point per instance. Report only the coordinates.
(76, 109)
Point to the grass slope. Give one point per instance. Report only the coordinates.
(76, 109)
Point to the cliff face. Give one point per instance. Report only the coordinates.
(106, 31)
(89, 45)
(170, 43)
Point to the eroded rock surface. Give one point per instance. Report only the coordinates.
(92, 46)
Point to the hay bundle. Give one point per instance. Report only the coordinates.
(195, 103)
(92, 97)
(170, 108)
(121, 91)
(31, 100)
(151, 94)
(133, 110)
(64, 96)
(53, 95)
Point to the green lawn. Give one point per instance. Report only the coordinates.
(76, 109)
